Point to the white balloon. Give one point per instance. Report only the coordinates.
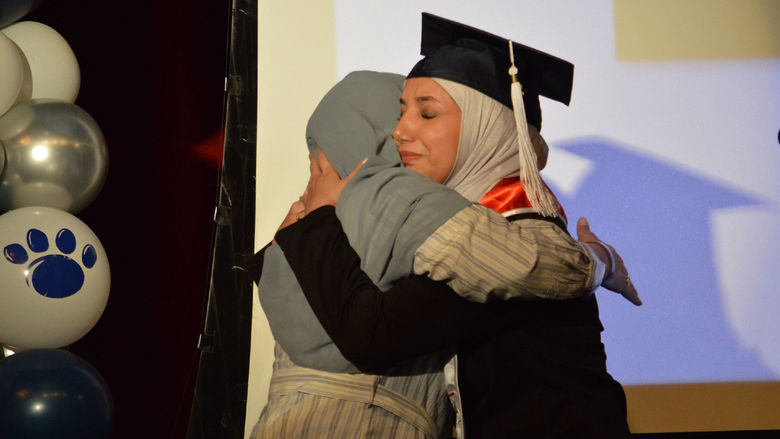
(54, 278)
(53, 66)
(12, 74)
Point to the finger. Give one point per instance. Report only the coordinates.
(633, 296)
(314, 167)
(325, 165)
(355, 171)
(305, 196)
(621, 283)
(583, 231)
(292, 215)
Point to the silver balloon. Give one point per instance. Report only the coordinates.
(55, 156)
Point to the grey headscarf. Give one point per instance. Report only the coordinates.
(386, 211)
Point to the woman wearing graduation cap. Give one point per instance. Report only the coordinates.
(533, 368)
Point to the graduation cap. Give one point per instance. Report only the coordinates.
(480, 60)
(508, 72)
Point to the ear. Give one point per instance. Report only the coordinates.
(540, 147)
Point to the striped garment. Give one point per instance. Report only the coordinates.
(495, 259)
(307, 404)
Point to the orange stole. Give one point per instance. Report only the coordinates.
(509, 195)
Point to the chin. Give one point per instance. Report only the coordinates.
(413, 167)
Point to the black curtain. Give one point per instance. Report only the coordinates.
(152, 76)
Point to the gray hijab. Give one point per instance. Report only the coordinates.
(386, 211)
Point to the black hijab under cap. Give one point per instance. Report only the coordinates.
(480, 60)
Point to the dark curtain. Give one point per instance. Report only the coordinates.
(152, 76)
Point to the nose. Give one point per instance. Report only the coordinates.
(402, 131)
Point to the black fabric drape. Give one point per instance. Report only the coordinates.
(152, 76)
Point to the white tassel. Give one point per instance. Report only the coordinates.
(537, 192)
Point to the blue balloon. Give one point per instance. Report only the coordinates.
(53, 393)
(12, 10)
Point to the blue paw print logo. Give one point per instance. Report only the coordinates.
(52, 275)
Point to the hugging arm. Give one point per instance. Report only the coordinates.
(372, 329)
(478, 252)
(390, 226)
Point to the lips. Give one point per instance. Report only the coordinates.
(408, 157)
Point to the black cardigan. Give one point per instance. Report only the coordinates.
(525, 368)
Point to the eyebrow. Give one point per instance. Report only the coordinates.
(420, 99)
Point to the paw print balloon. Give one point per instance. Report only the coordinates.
(54, 278)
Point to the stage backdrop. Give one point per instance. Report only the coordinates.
(669, 148)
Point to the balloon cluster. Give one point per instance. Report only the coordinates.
(54, 273)
(50, 393)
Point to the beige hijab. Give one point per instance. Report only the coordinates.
(487, 148)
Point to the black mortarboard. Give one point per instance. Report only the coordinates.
(508, 72)
(480, 60)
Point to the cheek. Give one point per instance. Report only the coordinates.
(453, 143)
(449, 144)
(443, 150)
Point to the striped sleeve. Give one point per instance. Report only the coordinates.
(483, 257)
